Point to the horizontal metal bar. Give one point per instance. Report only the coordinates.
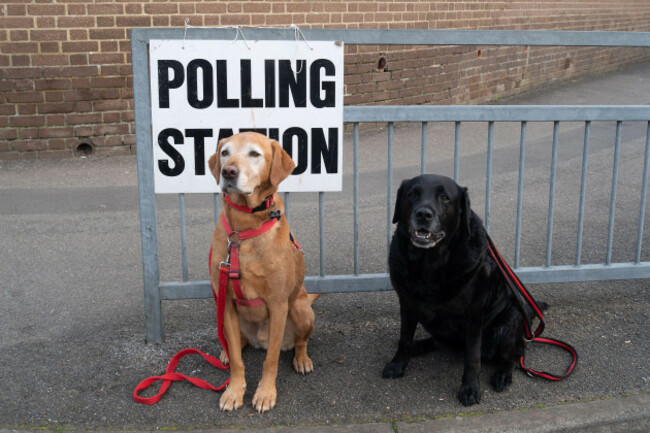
(497, 113)
(381, 282)
(185, 290)
(411, 37)
(593, 272)
(348, 283)
(313, 284)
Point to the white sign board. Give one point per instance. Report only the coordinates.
(206, 90)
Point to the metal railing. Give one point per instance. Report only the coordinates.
(155, 291)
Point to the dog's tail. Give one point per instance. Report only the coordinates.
(312, 297)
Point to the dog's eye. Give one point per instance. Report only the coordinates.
(444, 198)
(254, 154)
(224, 153)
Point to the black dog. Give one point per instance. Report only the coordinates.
(447, 281)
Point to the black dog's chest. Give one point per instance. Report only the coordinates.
(434, 292)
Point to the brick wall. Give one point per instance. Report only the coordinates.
(65, 65)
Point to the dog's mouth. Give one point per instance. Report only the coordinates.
(422, 238)
(229, 186)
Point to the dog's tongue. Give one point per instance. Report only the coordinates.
(423, 234)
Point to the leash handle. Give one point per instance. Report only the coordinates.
(544, 374)
(171, 376)
(170, 373)
(519, 289)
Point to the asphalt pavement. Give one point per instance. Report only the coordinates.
(72, 317)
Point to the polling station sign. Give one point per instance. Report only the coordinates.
(206, 90)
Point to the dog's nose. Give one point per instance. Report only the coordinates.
(229, 172)
(424, 215)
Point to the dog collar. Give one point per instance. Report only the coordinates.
(267, 203)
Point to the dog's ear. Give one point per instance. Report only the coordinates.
(465, 209)
(214, 162)
(281, 164)
(398, 203)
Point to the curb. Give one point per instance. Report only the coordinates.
(621, 414)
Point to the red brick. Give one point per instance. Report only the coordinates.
(15, 10)
(75, 22)
(77, 9)
(49, 47)
(19, 47)
(161, 9)
(60, 143)
(107, 140)
(55, 107)
(108, 33)
(105, 9)
(54, 96)
(122, 150)
(43, 9)
(78, 35)
(118, 129)
(236, 20)
(22, 97)
(83, 131)
(110, 105)
(263, 7)
(133, 21)
(22, 121)
(83, 107)
(18, 35)
(8, 134)
(25, 133)
(111, 117)
(211, 8)
(53, 132)
(52, 84)
(100, 82)
(100, 59)
(49, 60)
(28, 145)
(83, 119)
(79, 47)
(105, 21)
(109, 46)
(133, 9)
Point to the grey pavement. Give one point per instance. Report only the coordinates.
(72, 317)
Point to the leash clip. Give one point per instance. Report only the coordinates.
(275, 214)
(529, 340)
(232, 242)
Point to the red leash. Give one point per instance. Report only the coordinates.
(170, 374)
(519, 289)
(228, 271)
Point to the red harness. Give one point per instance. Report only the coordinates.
(519, 289)
(228, 271)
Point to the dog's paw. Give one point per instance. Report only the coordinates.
(303, 364)
(232, 398)
(264, 398)
(469, 395)
(393, 370)
(223, 357)
(501, 380)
